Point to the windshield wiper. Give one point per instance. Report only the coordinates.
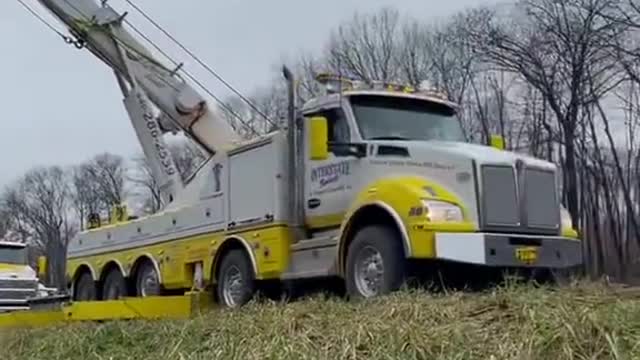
(389, 138)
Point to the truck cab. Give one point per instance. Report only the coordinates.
(391, 162)
(18, 281)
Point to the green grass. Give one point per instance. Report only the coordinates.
(586, 321)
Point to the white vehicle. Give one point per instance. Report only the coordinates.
(19, 283)
(361, 180)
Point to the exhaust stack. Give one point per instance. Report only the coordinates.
(296, 160)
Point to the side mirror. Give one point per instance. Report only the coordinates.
(42, 267)
(319, 138)
(497, 142)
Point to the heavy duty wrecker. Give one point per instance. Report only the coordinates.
(361, 180)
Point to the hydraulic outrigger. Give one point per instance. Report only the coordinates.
(56, 310)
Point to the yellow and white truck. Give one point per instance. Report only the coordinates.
(20, 286)
(361, 180)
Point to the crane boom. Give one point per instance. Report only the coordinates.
(99, 28)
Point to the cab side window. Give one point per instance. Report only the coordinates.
(337, 125)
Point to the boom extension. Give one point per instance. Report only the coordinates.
(99, 28)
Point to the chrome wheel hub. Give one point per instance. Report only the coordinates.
(369, 271)
(232, 286)
(149, 284)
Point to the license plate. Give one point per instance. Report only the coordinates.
(527, 255)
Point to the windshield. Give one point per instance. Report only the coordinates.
(13, 255)
(396, 118)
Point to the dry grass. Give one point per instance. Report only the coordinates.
(509, 322)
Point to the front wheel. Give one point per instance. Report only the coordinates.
(235, 280)
(375, 263)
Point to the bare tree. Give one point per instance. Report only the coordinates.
(452, 52)
(416, 62)
(555, 46)
(85, 193)
(98, 184)
(4, 222)
(39, 204)
(107, 172)
(245, 120)
(146, 187)
(366, 46)
(306, 69)
(187, 157)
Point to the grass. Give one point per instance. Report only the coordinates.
(514, 321)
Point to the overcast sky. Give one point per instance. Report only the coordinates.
(61, 105)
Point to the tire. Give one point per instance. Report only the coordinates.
(114, 286)
(147, 280)
(84, 288)
(369, 243)
(235, 280)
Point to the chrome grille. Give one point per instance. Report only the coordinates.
(518, 200)
(541, 206)
(17, 289)
(17, 294)
(18, 283)
(500, 207)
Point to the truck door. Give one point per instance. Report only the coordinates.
(328, 185)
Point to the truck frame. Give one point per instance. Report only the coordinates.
(361, 180)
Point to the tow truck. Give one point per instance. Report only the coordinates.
(361, 180)
(20, 287)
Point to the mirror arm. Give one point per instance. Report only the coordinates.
(359, 151)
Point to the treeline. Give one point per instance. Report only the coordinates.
(47, 206)
(558, 79)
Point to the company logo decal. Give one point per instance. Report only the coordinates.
(328, 174)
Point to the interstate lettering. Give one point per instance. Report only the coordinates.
(330, 173)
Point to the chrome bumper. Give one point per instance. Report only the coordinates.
(509, 250)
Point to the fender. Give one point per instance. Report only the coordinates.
(91, 271)
(245, 245)
(397, 196)
(72, 284)
(149, 257)
(118, 264)
(389, 210)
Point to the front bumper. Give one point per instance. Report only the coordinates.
(509, 250)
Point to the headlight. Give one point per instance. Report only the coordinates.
(440, 211)
(565, 219)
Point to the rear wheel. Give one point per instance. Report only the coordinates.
(114, 286)
(235, 280)
(84, 288)
(375, 263)
(147, 280)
